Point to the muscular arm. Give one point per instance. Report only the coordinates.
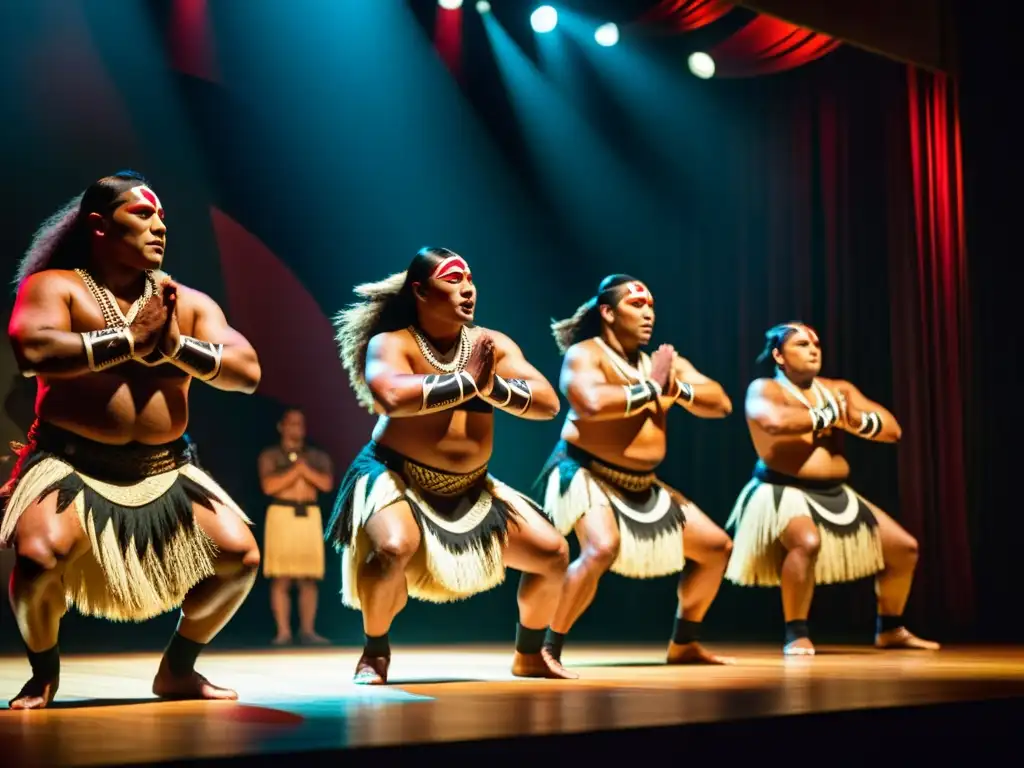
(519, 388)
(887, 429)
(238, 367)
(274, 481)
(697, 393)
(587, 389)
(766, 406)
(40, 329)
(397, 391)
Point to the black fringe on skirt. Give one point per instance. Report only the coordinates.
(375, 460)
(153, 524)
(568, 459)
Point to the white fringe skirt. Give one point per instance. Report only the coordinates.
(650, 516)
(851, 547)
(463, 521)
(134, 503)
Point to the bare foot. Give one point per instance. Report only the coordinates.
(282, 640)
(905, 639)
(372, 670)
(802, 646)
(191, 686)
(694, 653)
(543, 664)
(35, 694)
(312, 638)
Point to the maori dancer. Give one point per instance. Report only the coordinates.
(797, 523)
(107, 507)
(292, 474)
(600, 480)
(417, 512)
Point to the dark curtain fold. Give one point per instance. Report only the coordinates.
(816, 221)
(767, 45)
(930, 334)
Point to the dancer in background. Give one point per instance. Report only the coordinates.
(292, 474)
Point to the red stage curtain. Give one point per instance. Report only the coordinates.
(930, 333)
(685, 15)
(768, 45)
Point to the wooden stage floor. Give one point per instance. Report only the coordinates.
(296, 701)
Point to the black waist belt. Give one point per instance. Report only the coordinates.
(766, 475)
(128, 463)
(300, 508)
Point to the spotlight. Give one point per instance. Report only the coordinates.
(607, 35)
(483, 7)
(450, 5)
(701, 65)
(544, 19)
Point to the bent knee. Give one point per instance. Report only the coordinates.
(723, 546)
(907, 549)
(243, 560)
(396, 549)
(36, 553)
(251, 558)
(808, 543)
(554, 552)
(602, 551)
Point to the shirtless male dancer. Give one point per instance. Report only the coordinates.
(417, 512)
(292, 474)
(797, 522)
(107, 507)
(601, 479)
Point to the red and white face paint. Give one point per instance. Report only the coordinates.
(142, 198)
(812, 335)
(453, 268)
(637, 291)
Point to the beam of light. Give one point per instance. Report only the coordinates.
(701, 65)
(544, 19)
(592, 196)
(670, 113)
(448, 36)
(607, 35)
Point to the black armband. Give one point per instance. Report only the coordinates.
(442, 391)
(511, 394)
(639, 395)
(824, 417)
(870, 424)
(108, 347)
(686, 392)
(202, 359)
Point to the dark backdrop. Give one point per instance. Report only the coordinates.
(329, 146)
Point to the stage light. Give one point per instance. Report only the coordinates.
(544, 19)
(607, 35)
(483, 7)
(450, 5)
(702, 65)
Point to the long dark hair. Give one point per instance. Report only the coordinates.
(776, 336)
(62, 241)
(387, 305)
(585, 322)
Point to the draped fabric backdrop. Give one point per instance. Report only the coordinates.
(306, 158)
(931, 344)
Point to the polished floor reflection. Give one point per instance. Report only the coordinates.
(294, 700)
